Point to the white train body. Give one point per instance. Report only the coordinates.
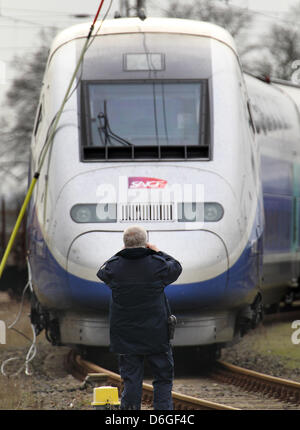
(199, 136)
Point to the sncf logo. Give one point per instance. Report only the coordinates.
(142, 182)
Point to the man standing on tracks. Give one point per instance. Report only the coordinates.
(137, 276)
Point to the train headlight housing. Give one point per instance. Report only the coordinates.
(213, 212)
(197, 212)
(94, 213)
(190, 212)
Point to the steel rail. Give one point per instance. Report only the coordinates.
(250, 380)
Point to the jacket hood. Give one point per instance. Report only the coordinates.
(134, 253)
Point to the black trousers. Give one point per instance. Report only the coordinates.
(132, 373)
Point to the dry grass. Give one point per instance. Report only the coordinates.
(15, 392)
(10, 393)
(275, 340)
(4, 297)
(8, 313)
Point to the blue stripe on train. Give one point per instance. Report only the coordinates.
(61, 290)
(58, 289)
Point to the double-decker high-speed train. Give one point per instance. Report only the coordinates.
(163, 129)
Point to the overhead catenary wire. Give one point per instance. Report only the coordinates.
(16, 19)
(80, 67)
(67, 95)
(11, 18)
(49, 142)
(38, 11)
(247, 10)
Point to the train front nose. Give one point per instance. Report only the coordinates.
(204, 259)
(202, 254)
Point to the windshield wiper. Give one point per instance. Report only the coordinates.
(104, 129)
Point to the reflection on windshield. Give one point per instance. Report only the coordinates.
(145, 114)
(105, 133)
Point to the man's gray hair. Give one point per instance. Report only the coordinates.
(135, 237)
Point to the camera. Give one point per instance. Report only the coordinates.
(172, 321)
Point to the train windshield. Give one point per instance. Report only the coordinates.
(146, 114)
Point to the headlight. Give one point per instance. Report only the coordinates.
(197, 212)
(213, 212)
(91, 213)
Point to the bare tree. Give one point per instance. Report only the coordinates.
(283, 44)
(235, 19)
(281, 48)
(22, 99)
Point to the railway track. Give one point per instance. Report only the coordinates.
(51, 387)
(81, 368)
(249, 380)
(284, 391)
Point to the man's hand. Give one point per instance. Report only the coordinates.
(153, 247)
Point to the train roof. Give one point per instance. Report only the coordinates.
(272, 80)
(289, 88)
(150, 25)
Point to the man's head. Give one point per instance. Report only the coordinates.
(135, 237)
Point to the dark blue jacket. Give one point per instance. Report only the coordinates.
(138, 312)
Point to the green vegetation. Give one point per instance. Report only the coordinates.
(275, 340)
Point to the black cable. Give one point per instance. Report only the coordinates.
(78, 80)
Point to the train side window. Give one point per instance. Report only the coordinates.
(250, 118)
(257, 126)
(39, 119)
(270, 123)
(280, 127)
(256, 117)
(264, 125)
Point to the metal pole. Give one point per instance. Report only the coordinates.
(140, 4)
(17, 225)
(126, 8)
